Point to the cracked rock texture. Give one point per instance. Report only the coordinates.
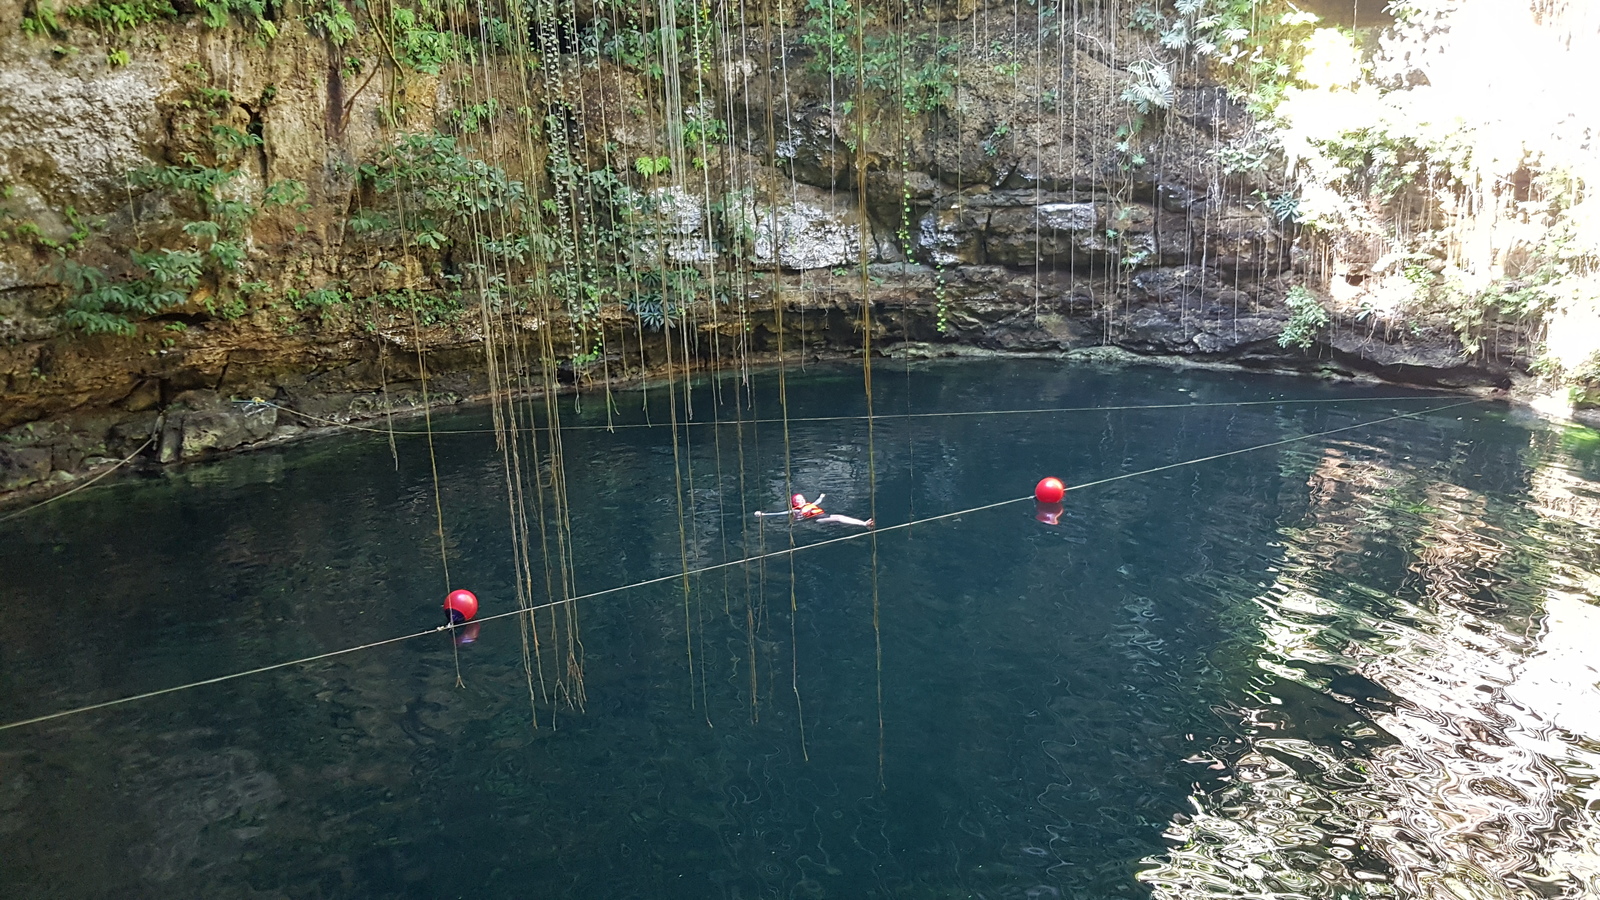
(1028, 223)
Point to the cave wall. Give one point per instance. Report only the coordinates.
(1035, 211)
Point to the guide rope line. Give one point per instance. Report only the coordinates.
(773, 421)
(64, 494)
(333, 423)
(673, 576)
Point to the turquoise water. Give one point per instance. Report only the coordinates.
(1354, 665)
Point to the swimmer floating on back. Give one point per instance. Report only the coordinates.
(801, 509)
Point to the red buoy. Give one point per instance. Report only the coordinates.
(461, 605)
(1049, 490)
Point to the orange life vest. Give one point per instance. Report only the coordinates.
(808, 511)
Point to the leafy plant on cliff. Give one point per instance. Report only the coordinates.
(1255, 46)
(466, 217)
(419, 41)
(911, 69)
(117, 16)
(39, 19)
(120, 16)
(205, 246)
(333, 20)
(438, 191)
(1150, 88)
(662, 295)
(253, 12)
(103, 305)
(157, 279)
(1306, 317)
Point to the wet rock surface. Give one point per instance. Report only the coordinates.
(1034, 221)
(22, 466)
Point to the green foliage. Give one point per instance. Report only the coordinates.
(941, 304)
(13, 228)
(39, 19)
(1374, 162)
(418, 40)
(442, 188)
(1150, 87)
(1285, 207)
(1147, 18)
(331, 19)
(913, 69)
(476, 117)
(164, 277)
(662, 295)
(828, 33)
(699, 131)
(316, 298)
(434, 198)
(117, 16)
(214, 223)
(230, 140)
(1254, 45)
(1306, 317)
(428, 307)
(997, 136)
(254, 12)
(1236, 159)
(230, 309)
(650, 166)
(287, 192)
(625, 45)
(100, 305)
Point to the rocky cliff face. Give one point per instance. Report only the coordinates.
(1022, 203)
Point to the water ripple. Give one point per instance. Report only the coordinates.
(1474, 774)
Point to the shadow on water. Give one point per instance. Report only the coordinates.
(1349, 666)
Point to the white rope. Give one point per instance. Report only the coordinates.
(661, 579)
(64, 494)
(882, 416)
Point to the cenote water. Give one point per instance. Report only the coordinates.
(1356, 665)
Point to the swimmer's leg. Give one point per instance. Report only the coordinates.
(864, 523)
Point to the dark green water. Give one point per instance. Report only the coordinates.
(1357, 665)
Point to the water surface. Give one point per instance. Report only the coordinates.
(1354, 665)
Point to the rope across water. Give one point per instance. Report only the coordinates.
(879, 417)
(687, 573)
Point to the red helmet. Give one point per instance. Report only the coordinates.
(797, 501)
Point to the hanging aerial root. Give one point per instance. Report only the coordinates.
(745, 561)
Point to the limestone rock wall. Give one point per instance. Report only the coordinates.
(1031, 212)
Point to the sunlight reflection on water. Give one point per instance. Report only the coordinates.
(1355, 665)
(1476, 777)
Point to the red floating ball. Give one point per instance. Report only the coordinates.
(1049, 490)
(461, 605)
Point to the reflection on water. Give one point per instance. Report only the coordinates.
(1359, 665)
(1461, 757)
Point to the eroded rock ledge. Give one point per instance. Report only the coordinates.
(229, 389)
(1030, 223)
